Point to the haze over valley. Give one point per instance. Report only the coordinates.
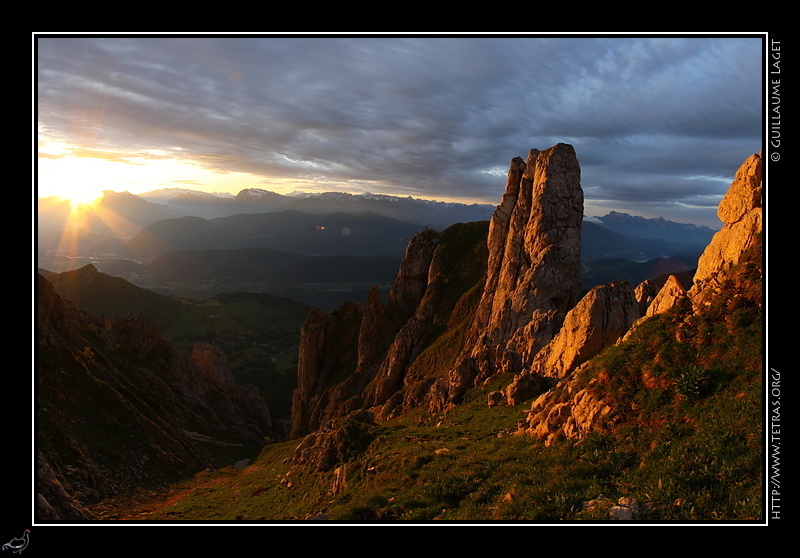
(318, 249)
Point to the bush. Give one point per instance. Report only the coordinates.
(691, 382)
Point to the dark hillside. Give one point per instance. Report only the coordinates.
(104, 295)
(258, 333)
(355, 234)
(119, 408)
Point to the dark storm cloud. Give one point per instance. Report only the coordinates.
(658, 120)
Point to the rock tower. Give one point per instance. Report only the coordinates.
(533, 270)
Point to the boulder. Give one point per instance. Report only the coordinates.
(602, 316)
(668, 296)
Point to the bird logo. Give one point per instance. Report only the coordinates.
(18, 544)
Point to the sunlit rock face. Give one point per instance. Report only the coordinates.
(531, 279)
(576, 408)
(533, 269)
(599, 319)
(741, 210)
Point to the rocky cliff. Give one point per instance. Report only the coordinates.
(533, 271)
(342, 353)
(118, 408)
(516, 313)
(363, 356)
(507, 295)
(727, 280)
(741, 211)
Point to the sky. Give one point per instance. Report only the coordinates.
(659, 123)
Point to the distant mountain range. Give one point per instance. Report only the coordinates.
(656, 231)
(320, 249)
(434, 214)
(354, 224)
(358, 234)
(640, 239)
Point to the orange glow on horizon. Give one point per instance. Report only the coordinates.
(83, 174)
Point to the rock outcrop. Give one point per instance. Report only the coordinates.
(574, 407)
(668, 296)
(337, 441)
(598, 320)
(342, 353)
(567, 412)
(645, 292)
(530, 266)
(328, 352)
(741, 211)
(533, 270)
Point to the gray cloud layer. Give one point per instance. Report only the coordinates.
(659, 124)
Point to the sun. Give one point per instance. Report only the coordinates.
(80, 180)
(82, 199)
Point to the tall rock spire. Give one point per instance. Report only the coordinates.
(533, 274)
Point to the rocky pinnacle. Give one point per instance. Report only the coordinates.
(533, 274)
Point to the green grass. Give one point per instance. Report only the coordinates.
(466, 468)
(690, 458)
(686, 443)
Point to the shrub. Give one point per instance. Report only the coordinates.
(691, 382)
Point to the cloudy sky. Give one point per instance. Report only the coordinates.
(660, 124)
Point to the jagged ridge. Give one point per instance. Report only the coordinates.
(527, 322)
(531, 266)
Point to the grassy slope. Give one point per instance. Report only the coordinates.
(688, 393)
(690, 459)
